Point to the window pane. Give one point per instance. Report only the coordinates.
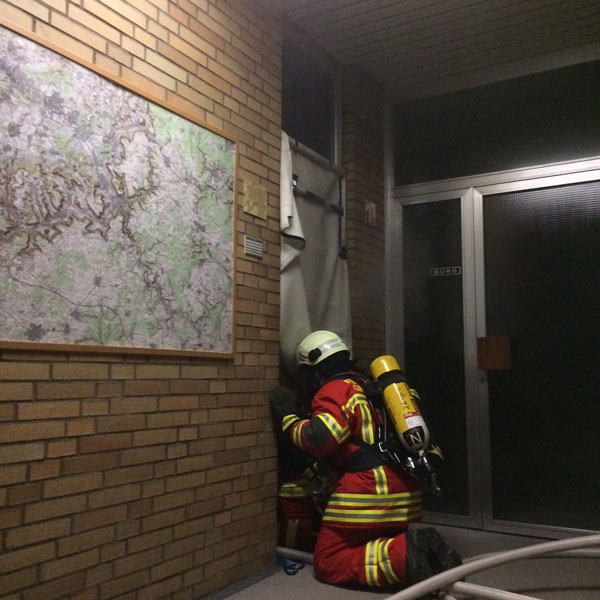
(307, 100)
(538, 119)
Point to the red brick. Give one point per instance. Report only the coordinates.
(141, 508)
(32, 534)
(12, 474)
(178, 402)
(62, 448)
(143, 455)
(73, 484)
(11, 392)
(102, 443)
(63, 566)
(62, 587)
(77, 427)
(48, 410)
(164, 519)
(97, 575)
(145, 387)
(149, 540)
(195, 463)
(20, 494)
(128, 474)
(133, 405)
(23, 371)
(48, 509)
(85, 541)
(44, 470)
(190, 480)
(112, 551)
(183, 546)
(120, 585)
(86, 463)
(173, 500)
(116, 495)
(120, 423)
(19, 559)
(22, 432)
(73, 371)
(10, 517)
(171, 567)
(17, 580)
(48, 391)
(154, 436)
(98, 518)
(127, 529)
(138, 561)
(169, 419)
(162, 588)
(7, 412)
(13, 453)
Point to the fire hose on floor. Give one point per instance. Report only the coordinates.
(450, 582)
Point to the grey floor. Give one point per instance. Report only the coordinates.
(543, 578)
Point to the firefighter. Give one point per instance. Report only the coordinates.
(298, 514)
(363, 537)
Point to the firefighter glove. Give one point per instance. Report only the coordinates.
(282, 402)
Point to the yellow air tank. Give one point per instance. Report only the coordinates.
(400, 404)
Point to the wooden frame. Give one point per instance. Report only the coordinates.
(117, 214)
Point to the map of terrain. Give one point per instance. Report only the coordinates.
(116, 215)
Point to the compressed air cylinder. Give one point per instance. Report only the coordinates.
(401, 406)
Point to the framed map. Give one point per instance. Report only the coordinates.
(116, 215)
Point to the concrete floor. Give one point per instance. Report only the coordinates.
(543, 578)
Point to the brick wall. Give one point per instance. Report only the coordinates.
(134, 477)
(363, 160)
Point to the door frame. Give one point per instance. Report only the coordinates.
(471, 191)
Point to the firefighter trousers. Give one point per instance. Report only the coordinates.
(367, 556)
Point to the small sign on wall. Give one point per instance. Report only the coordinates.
(445, 271)
(370, 213)
(255, 199)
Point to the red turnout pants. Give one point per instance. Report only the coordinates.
(368, 556)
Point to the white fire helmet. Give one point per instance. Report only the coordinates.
(318, 346)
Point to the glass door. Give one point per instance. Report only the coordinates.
(541, 261)
(434, 350)
(498, 328)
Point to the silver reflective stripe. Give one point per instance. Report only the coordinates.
(337, 431)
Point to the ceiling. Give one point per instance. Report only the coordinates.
(419, 48)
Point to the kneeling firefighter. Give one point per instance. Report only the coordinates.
(363, 536)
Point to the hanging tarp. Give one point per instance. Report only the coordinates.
(314, 277)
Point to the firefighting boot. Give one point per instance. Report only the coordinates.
(417, 562)
(439, 555)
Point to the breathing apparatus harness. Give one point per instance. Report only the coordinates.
(402, 438)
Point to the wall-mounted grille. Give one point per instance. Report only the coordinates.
(253, 246)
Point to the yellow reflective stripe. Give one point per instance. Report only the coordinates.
(368, 434)
(380, 480)
(371, 515)
(371, 551)
(386, 564)
(359, 400)
(337, 431)
(348, 408)
(291, 532)
(288, 420)
(293, 490)
(297, 433)
(399, 499)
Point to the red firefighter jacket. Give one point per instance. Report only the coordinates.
(343, 423)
